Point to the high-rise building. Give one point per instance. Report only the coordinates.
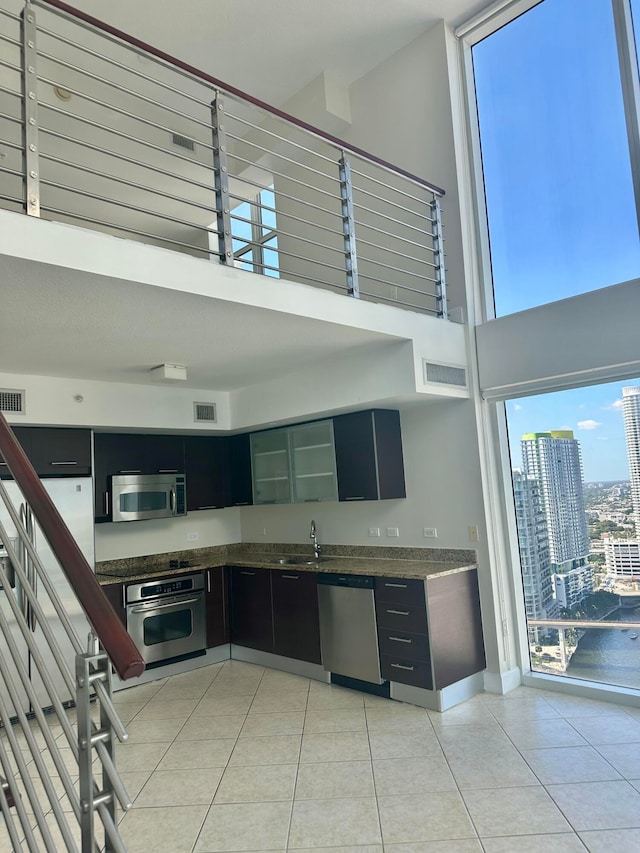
(631, 415)
(553, 458)
(533, 541)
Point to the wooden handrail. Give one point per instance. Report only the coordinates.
(232, 90)
(114, 638)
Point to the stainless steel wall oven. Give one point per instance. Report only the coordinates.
(167, 619)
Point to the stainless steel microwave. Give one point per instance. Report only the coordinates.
(135, 497)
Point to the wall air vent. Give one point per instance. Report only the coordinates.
(445, 374)
(204, 413)
(12, 401)
(183, 141)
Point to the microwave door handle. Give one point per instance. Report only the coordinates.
(172, 500)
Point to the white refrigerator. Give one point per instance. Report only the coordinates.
(74, 500)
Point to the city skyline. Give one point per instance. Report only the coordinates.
(593, 413)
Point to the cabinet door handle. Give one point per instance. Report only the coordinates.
(208, 581)
(248, 573)
(241, 503)
(399, 612)
(69, 462)
(208, 507)
(130, 471)
(106, 503)
(400, 640)
(167, 470)
(397, 585)
(291, 577)
(355, 498)
(400, 666)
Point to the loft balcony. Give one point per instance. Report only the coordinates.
(102, 132)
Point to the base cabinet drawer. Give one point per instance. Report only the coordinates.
(413, 647)
(400, 590)
(406, 671)
(402, 617)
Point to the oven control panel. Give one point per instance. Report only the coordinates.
(159, 589)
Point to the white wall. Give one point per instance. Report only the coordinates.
(139, 538)
(112, 405)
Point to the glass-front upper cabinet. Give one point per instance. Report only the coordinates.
(270, 467)
(294, 465)
(313, 462)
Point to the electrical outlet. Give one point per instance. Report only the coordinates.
(374, 531)
(430, 533)
(393, 531)
(473, 533)
(193, 537)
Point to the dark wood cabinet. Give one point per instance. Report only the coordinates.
(296, 622)
(403, 631)
(430, 632)
(455, 627)
(205, 469)
(251, 610)
(238, 489)
(115, 594)
(216, 606)
(369, 458)
(55, 451)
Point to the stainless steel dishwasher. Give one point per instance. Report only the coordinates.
(348, 632)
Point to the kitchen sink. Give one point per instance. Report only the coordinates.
(296, 561)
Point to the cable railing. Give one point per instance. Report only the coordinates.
(102, 131)
(59, 784)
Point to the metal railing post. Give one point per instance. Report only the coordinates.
(30, 111)
(348, 227)
(221, 172)
(438, 258)
(85, 752)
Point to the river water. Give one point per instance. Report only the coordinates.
(609, 656)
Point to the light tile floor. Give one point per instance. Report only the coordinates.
(236, 757)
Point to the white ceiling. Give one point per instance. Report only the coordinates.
(93, 327)
(255, 45)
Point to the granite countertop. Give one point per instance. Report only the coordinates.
(419, 563)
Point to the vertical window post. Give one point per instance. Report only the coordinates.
(348, 227)
(221, 173)
(630, 79)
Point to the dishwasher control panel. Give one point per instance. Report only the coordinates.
(355, 581)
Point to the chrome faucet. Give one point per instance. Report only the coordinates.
(313, 535)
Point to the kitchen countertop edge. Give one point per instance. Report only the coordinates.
(375, 567)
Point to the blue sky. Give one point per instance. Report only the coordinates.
(562, 219)
(595, 416)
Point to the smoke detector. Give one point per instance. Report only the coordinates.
(168, 373)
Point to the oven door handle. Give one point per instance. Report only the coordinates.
(180, 603)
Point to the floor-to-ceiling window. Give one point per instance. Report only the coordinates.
(554, 101)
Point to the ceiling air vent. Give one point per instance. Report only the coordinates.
(183, 141)
(204, 413)
(445, 374)
(12, 401)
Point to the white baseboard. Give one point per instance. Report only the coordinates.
(502, 682)
(439, 700)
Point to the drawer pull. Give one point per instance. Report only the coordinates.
(70, 462)
(354, 498)
(400, 640)
(210, 506)
(248, 573)
(397, 585)
(400, 666)
(291, 577)
(399, 612)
